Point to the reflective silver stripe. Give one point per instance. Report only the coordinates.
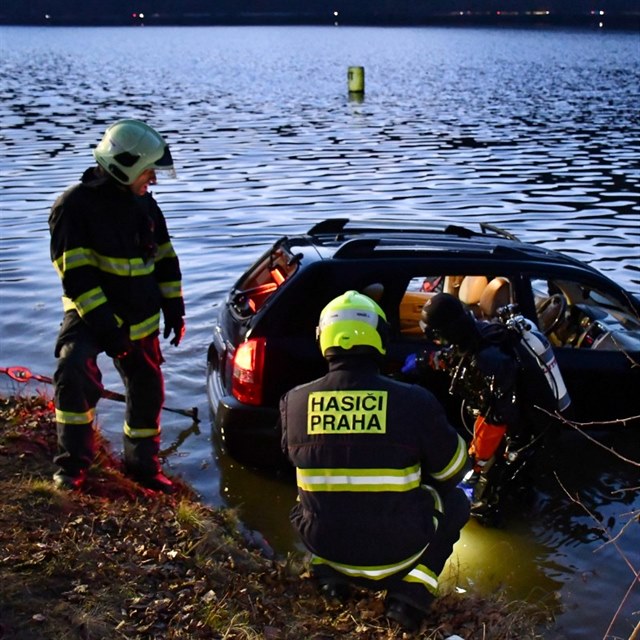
(424, 576)
(140, 433)
(342, 315)
(370, 572)
(359, 479)
(73, 417)
(455, 465)
(171, 289)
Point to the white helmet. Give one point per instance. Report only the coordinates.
(128, 147)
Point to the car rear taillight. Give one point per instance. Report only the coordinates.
(248, 364)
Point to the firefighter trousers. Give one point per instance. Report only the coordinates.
(78, 387)
(417, 586)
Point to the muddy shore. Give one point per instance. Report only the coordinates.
(117, 561)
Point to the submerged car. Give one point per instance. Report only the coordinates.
(264, 338)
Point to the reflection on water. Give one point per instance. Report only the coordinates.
(588, 527)
(532, 130)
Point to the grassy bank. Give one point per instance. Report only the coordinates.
(117, 561)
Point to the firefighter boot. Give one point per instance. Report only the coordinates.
(76, 450)
(142, 463)
(335, 589)
(404, 614)
(63, 480)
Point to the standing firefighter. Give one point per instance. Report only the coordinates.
(111, 248)
(377, 466)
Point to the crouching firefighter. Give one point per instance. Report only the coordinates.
(377, 466)
(111, 248)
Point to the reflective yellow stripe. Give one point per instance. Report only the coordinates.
(140, 433)
(359, 479)
(165, 251)
(370, 572)
(437, 503)
(82, 257)
(171, 289)
(145, 328)
(455, 465)
(437, 500)
(71, 417)
(123, 266)
(72, 259)
(67, 304)
(137, 267)
(136, 331)
(85, 303)
(424, 576)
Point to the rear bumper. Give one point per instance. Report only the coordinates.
(249, 434)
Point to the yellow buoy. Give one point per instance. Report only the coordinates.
(356, 79)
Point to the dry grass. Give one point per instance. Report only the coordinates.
(119, 562)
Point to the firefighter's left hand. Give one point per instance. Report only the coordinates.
(410, 366)
(178, 327)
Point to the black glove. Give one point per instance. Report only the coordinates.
(173, 312)
(177, 326)
(116, 343)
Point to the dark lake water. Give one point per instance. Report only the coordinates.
(536, 131)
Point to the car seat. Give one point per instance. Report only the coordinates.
(452, 285)
(471, 289)
(375, 291)
(495, 295)
(411, 306)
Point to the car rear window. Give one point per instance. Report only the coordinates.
(263, 280)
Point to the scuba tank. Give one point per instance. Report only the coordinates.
(540, 348)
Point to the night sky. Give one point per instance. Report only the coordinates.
(313, 11)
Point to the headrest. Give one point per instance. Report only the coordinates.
(452, 285)
(495, 295)
(471, 289)
(375, 290)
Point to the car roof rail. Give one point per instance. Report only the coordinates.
(331, 225)
(485, 226)
(357, 248)
(462, 232)
(335, 226)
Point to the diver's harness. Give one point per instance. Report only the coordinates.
(480, 391)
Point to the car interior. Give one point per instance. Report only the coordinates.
(569, 313)
(275, 268)
(481, 296)
(576, 315)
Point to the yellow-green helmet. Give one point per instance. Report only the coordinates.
(352, 320)
(128, 147)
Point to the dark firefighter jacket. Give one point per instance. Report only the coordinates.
(362, 445)
(113, 253)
